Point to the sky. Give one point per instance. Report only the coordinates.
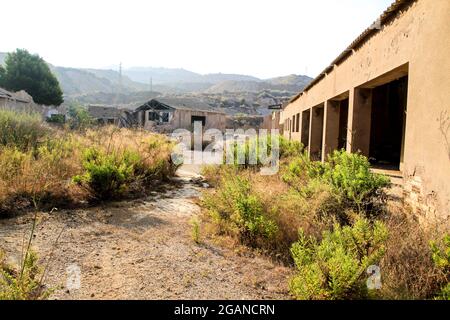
(263, 38)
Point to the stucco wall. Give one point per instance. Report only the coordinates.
(416, 43)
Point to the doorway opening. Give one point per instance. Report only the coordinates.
(316, 138)
(343, 124)
(305, 128)
(201, 119)
(389, 102)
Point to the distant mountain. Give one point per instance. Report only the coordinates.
(290, 80)
(106, 86)
(177, 77)
(84, 81)
(292, 83)
(161, 75)
(220, 77)
(184, 81)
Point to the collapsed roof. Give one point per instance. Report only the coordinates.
(179, 104)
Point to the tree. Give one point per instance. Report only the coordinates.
(24, 71)
(79, 117)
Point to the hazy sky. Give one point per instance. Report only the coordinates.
(264, 38)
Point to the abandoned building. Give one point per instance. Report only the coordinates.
(387, 96)
(168, 114)
(104, 114)
(20, 101)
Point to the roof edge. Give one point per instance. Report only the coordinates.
(391, 12)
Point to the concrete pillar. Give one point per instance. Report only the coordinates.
(316, 132)
(359, 119)
(331, 128)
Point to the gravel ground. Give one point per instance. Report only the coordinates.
(142, 249)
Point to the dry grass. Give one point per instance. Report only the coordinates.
(42, 176)
(407, 268)
(289, 209)
(408, 271)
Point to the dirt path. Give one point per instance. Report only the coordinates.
(142, 249)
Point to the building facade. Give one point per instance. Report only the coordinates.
(104, 114)
(168, 114)
(387, 96)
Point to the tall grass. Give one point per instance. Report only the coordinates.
(46, 166)
(21, 130)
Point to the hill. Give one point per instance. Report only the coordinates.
(235, 92)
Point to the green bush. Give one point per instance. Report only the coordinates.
(336, 267)
(56, 118)
(287, 149)
(290, 148)
(301, 170)
(239, 210)
(351, 178)
(441, 258)
(22, 130)
(108, 175)
(348, 174)
(79, 118)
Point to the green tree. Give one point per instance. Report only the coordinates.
(79, 117)
(24, 71)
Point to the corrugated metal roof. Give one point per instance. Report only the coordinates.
(394, 9)
(182, 104)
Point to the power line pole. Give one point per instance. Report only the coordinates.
(120, 78)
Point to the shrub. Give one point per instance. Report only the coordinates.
(301, 170)
(79, 118)
(351, 178)
(348, 175)
(21, 130)
(29, 177)
(239, 211)
(108, 175)
(290, 148)
(253, 155)
(441, 258)
(335, 267)
(195, 234)
(104, 162)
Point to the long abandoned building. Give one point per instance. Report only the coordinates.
(168, 114)
(387, 97)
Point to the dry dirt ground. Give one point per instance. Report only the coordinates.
(143, 249)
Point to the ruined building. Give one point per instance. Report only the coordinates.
(387, 96)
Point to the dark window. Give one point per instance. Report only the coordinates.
(158, 116)
(164, 117)
(153, 116)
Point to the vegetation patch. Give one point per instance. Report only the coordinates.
(331, 221)
(42, 166)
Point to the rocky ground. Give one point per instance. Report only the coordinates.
(142, 249)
